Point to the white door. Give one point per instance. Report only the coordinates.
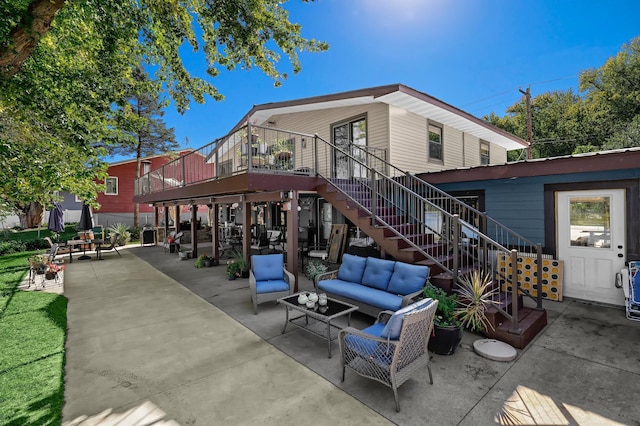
(591, 236)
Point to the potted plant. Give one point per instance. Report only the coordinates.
(243, 265)
(203, 261)
(315, 268)
(447, 328)
(233, 270)
(475, 295)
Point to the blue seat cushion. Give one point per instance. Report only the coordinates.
(267, 267)
(271, 286)
(407, 278)
(352, 268)
(370, 349)
(367, 295)
(377, 273)
(394, 325)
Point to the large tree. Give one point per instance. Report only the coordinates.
(604, 115)
(141, 117)
(66, 66)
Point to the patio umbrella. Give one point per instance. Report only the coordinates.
(56, 221)
(86, 224)
(86, 221)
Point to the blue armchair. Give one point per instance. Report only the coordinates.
(268, 279)
(391, 353)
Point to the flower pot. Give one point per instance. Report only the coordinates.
(208, 263)
(232, 277)
(445, 340)
(245, 274)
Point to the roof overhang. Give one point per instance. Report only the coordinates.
(621, 159)
(399, 96)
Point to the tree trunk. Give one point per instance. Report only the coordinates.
(31, 215)
(25, 36)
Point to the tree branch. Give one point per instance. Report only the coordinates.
(24, 38)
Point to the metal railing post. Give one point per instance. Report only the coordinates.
(515, 325)
(456, 248)
(539, 277)
(315, 153)
(184, 172)
(374, 198)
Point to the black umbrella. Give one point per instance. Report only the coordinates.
(56, 221)
(86, 223)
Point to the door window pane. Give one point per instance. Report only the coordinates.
(590, 221)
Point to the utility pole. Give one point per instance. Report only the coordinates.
(527, 96)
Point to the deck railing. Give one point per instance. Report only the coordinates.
(430, 221)
(456, 235)
(268, 150)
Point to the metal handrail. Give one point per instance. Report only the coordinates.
(429, 216)
(374, 192)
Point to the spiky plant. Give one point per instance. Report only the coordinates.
(475, 295)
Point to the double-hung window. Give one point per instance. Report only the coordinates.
(435, 143)
(485, 158)
(111, 184)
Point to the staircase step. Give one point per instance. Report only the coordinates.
(504, 300)
(444, 280)
(531, 323)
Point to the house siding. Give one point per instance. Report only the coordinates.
(519, 204)
(320, 122)
(409, 145)
(472, 150)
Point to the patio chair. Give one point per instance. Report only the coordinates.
(268, 279)
(394, 352)
(275, 241)
(112, 246)
(262, 244)
(225, 249)
(632, 292)
(62, 249)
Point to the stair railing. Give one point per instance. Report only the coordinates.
(433, 220)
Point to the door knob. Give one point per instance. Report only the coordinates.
(620, 255)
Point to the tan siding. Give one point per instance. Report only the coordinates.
(452, 146)
(408, 140)
(498, 155)
(320, 122)
(471, 150)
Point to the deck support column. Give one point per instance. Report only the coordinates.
(194, 230)
(292, 236)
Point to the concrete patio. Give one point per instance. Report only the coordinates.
(154, 338)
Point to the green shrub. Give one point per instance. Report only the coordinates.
(123, 230)
(446, 312)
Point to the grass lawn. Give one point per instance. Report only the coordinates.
(33, 329)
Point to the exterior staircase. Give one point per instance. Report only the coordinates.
(393, 208)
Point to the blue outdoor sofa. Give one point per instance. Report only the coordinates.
(372, 284)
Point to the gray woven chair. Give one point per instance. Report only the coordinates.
(268, 279)
(390, 356)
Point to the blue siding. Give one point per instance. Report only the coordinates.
(518, 203)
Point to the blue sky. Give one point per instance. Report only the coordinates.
(473, 54)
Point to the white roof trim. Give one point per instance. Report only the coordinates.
(448, 118)
(261, 116)
(401, 100)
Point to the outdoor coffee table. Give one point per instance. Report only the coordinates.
(317, 320)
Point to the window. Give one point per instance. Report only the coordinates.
(435, 143)
(349, 137)
(484, 153)
(112, 185)
(146, 167)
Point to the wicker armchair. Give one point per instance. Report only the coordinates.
(387, 356)
(268, 279)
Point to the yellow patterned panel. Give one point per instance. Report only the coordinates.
(552, 271)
